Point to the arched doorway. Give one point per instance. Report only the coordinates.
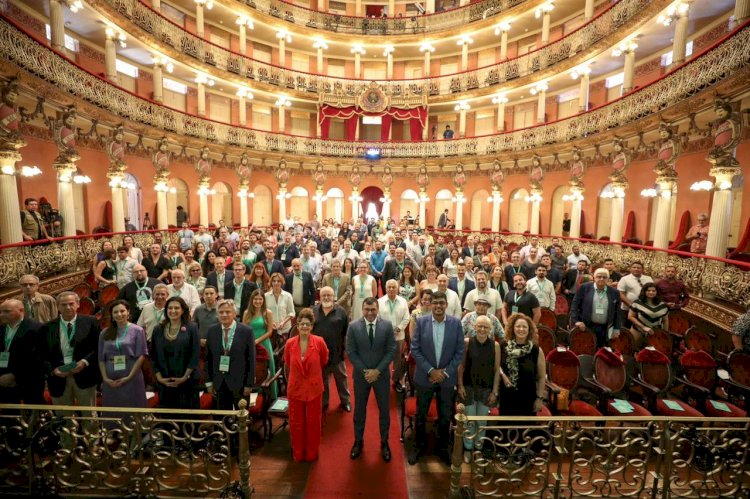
(334, 207)
(518, 211)
(221, 204)
(300, 204)
(443, 202)
(408, 202)
(558, 210)
(262, 206)
(478, 201)
(179, 195)
(132, 201)
(372, 206)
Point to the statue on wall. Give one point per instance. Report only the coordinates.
(65, 137)
(319, 175)
(282, 174)
(423, 179)
(497, 176)
(577, 169)
(244, 171)
(204, 163)
(669, 150)
(116, 146)
(162, 156)
(10, 118)
(355, 178)
(387, 177)
(536, 173)
(620, 163)
(459, 178)
(727, 134)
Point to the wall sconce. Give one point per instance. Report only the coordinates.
(244, 92)
(205, 191)
(244, 193)
(581, 71)
(544, 9)
(674, 12)
(539, 87)
(462, 106)
(161, 187)
(245, 21)
(160, 60)
(209, 4)
(495, 198)
(281, 196)
(574, 196)
(458, 198)
(624, 47)
(120, 37)
(204, 80)
(319, 43)
(121, 183)
(464, 40)
(534, 198)
(283, 101)
(500, 99)
(388, 49)
(81, 179)
(503, 27)
(357, 49)
(648, 193)
(355, 198)
(75, 6)
(427, 47)
(703, 185)
(283, 34)
(320, 197)
(30, 171)
(385, 199)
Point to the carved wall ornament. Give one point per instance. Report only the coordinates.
(116, 146)
(387, 178)
(10, 117)
(244, 170)
(355, 178)
(319, 175)
(204, 162)
(620, 163)
(727, 134)
(497, 176)
(577, 168)
(536, 173)
(423, 179)
(373, 99)
(669, 151)
(282, 174)
(161, 157)
(65, 136)
(459, 178)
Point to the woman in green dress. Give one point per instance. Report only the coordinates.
(260, 319)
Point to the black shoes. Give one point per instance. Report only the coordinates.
(385, 451)
(357, 450)
(347, 407)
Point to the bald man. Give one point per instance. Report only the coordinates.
(139, 292)
(21, 372)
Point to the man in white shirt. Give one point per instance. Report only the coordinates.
(542, 288)
(153, 312)
(395, 309)
(185, 237)
(309, 263)
(328, 258)
(629, 287)
(184, 290)
(454, 303)
(533, 243)
(350, 252)
(486, 292)
(124, 267)
(204, 237)
(576, 257)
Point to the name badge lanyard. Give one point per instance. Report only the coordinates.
(601, 298)
(361, 287)
(9, 335)
(336, 281)
(69, 335)
(227, 343)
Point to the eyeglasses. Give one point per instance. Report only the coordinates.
(304, 325)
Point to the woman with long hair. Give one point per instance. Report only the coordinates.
(281, 304)
(497, 281)
(260, 319)
(133, 251)
(430, 281)
(188, 258)
(208, 262)
(105, 271)
(348, 267)
(450, 265)
(649, 311)
(522, 369)
(176, 350)
(423, 308)
(427, 262)
(260, 277)
(100, 255)
(408, 286)
(199, 252)
(173, 255)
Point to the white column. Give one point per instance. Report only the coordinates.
(501, 114)
(583, 91)
(629, 70)
(423, 199)
(203, 207)
(354, 198)
(389, 65)
(199, 25)
(741, 11)
(282, 52)
(158, 76)
(536, 205)
(386, 205)
(721, 214)
(462, 122)
(244, 216)
(680, 33)
(319, 65)
(282, 119)
(358, 8)
(242, 110)
(430, 6)
(504, 45)
(201, 99)
(545, 27)
(618, 213)
(10, 228)
(319, 203)
(465, 56)
(463, 2)
(541, 104)
(156, 4)
(427, 63)
(391, 8)
(575, 212)
(162, 211)
(663, 212)
(588, 10)
(357, 65)
(243, 39)
(65, 198)
(110, 56)
(460, 210)
(118, 209)
(56, 26)
(497, 199)
(282, 204)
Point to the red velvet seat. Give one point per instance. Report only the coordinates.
(546, 339)
(610, 378)
(661, 340)
(563, 370)
(701, 380)
(582, 342)
(543, 412)
(655, 377)
(624, 343)
(548, 319)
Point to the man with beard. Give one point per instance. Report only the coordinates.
(139, 292)
(521, 301)
(331, 323)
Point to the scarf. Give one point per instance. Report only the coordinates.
(515, 352)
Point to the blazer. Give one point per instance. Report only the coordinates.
(365, 356)
(85, 344)
(292, 252)
(212, 279)
(24, 362)
(344, 296)
(305, 377)
(423, 350)
(247, 289)
(129, 293)
(569, 280)
(468, 286)
(391, 270)
(241, 358)
(583, 306)
(308, 288)
(276, 267)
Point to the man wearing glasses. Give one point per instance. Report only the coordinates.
(595, 307)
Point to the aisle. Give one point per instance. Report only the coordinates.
(335, 475)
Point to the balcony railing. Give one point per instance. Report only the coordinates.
(410, 24)
(171, 35)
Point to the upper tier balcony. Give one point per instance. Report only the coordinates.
(161, 34)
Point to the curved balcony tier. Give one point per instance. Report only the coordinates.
(598, 35)
(721, 67)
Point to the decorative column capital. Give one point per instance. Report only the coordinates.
(8, 160)
(161, 181)
(619, 188)
(724, 176)
(65, 171)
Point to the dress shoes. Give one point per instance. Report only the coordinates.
(356, 450)
(385, 452)
(347, 407)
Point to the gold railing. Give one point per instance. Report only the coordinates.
(50, 451)
(724, 59)
(167, 34)
(653, 457)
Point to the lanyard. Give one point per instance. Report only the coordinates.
(139, 288)
(238, 288)
(228, 344)
(336, 286)
(9, 335)
(391, 306)
(158, 315)
(601, 296)
(72, 332)
(516, 270)
(539, 283)
(119, 337)
(361, 287)
(516, 298)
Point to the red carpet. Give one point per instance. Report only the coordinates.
(334, 475)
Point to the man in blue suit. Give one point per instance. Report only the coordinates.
(595, 306)
(461, 285)
(437, 346)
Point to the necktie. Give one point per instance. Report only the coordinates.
(226, 335)
(68, 327)
(370, 333)
(578, 281)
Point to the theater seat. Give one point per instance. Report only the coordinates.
(700, 378)
(206, 402)
(563, 369)
(609, 378)
(655, 377)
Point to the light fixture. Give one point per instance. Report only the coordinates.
(703, 185)
(30, 171)
(725, 185)
(283, 34)
(245, 21)
(356, 198)
(649, 193)
(503, 27)
(244, 193)
(75, 6)
(121, 183)
(580, 71)
(173, 190)
(534, 197)
(462, 106)
(283, 195)
(283, 101)
(82, 179)
(465, 40)
(205, 191)
(8, 170)
(539, 87)
(244, 92)
(500, 99)
(385, 199)
(161, 187)
(320, 197)
(423, 198)
(119, 36)
(544, 9)
(495, 198)
(388, 49)
(573, 196)
(209, 4)
(321, 44)
(203, 79)
(674, 12)
(357, 49)
(426, 47)
(161, 60)
(627, 46)
(458, 198)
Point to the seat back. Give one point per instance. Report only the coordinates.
(261, 364)
(548, 319)
(107, 295)
(561, 305)
(546, 339)
(609, 368)
(739, 367)
(86, 306)
(583, 342)
(678, 323)
(654, 367)
(624, 342)
(660, 340)
(699, 368)
(83, 290)
(698, 339)
(563, 367)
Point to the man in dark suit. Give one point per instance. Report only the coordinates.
(220, 277)
(138, 292)
(470, 249)
(371, 345)
(21, 375)
(572, 279)
(595, 307)
(273, 265)
(395, 266)
(240, 285)
(437, 346)
(230, 358)
(461, 285)
(443, 222)
(287, 251)
(301, 286)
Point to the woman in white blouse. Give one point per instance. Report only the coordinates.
(281, 305)
(450, 266)
(363, 286)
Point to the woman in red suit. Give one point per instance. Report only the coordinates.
(304, 358)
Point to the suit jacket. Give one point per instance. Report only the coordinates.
(25, 363)
(365, 356)
(241, 358)
(569, 280)
(247, 289)
(391, 270)
(423, 350)
(467, 252)
(583, 306)
(308, 288)
(85, 344)
(276, 267)
(292, 252)
(129, 294)
(443, 220)
(212, 280)
(344, 296)
(468, 286)
(305, 376)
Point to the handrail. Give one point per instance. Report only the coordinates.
(712, 65)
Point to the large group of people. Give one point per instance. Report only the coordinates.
(192, 315)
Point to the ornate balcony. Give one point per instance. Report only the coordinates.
(597, 35)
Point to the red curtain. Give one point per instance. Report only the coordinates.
(385, 128)
(325, 125)
(415, 126)
(350, 127)
(417, 120)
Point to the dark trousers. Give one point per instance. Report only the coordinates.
(600, 330)
(362, 395)
(444, 396)
(338, 370)
(226, 398)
